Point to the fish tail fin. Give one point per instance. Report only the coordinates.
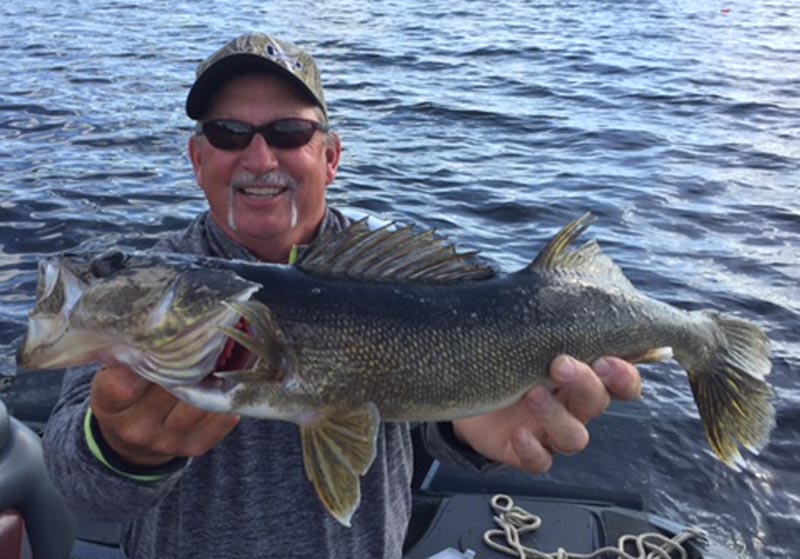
(732, 396)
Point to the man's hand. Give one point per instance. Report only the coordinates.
(546, 422)
(148, 426)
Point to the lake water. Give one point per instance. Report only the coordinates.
(677, 123)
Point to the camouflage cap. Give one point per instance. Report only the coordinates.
(254, 52)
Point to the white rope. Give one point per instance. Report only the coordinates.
(515, 521)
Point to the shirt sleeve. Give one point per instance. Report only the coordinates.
(441, 442)
(91, 487)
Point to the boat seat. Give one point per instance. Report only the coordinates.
(32, 506)
(13, 539)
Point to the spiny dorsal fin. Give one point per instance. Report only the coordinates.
(588, 259)
(389, 254)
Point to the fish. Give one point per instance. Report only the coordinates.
(385, 324)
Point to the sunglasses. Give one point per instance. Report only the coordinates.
(235, 135)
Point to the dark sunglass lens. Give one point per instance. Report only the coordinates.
(284, 133)
(228, 134)
(290, 133)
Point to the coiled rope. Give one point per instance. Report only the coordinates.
(514, 522)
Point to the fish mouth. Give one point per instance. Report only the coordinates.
(50, 341)
(70, 349)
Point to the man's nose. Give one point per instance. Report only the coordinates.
(258, 156)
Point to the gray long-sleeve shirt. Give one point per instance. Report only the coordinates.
(249, 495)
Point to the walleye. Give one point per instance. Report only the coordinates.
(384, 325)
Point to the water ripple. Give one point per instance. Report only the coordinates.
(496, 122)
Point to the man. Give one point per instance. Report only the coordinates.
(189, 483)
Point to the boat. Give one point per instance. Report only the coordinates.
(596, 500)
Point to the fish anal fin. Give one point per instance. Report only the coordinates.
(652, 355)
(389, 254)
(338, 449)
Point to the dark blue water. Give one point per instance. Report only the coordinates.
(677, 123)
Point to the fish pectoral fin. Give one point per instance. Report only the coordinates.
(337, 451)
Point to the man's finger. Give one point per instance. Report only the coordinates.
(620, 378)
(566, 433)
(531, 455)
(579, 388)
(185, 418)
(212, 429)
(190, 432)
(115, 389)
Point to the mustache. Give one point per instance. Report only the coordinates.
(272, 179)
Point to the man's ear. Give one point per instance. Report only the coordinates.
(196, 156)
(333, 154)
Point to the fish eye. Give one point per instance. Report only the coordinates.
(107, 263)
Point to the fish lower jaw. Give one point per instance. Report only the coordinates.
(74, 348)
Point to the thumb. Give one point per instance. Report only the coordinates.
(115, 388)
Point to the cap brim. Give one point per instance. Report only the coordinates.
(221, 71)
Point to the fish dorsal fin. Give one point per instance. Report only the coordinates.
(588, 259)
(389, 254)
